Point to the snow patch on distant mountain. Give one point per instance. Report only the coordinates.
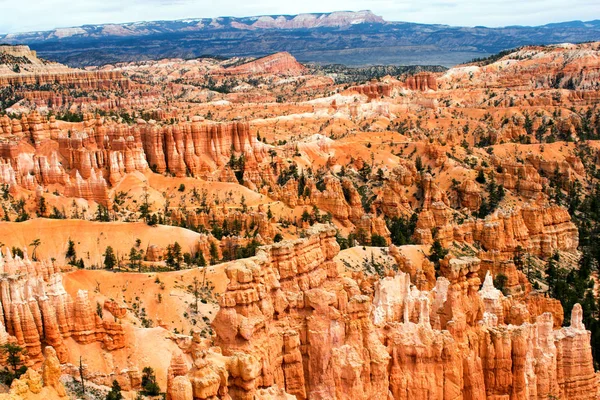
(141, 28)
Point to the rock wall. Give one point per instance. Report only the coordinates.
(290, 320)
(572, 67)
(537, 227)
(96, 80)
(35, 71)
(422, 81)
(95, 155)
(373, 90)
(35, 309)
(33, 385)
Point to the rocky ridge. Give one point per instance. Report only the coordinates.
(278, 63)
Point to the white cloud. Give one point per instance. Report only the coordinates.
(31, 15)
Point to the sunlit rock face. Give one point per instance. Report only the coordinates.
(289, 320)
(36, 309)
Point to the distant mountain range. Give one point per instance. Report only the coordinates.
(351, 38)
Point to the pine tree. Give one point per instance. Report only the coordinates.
(437, 253)
(419, 163)
(480, 177)
(42, 208)
(71, 254)
(177, 256)
(214, 253)
(149, 384)
(109, 258)
(115, 392)
(135, 259)
(35, 244)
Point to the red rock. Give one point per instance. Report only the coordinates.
(279, 63)
(422, 81)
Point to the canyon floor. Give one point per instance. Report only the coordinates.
(259, 229)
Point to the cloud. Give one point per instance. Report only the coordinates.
(28, 15)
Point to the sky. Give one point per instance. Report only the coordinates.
(33, 15)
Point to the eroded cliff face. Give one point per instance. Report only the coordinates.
(566, 66)
(421, 82)
(44, 385)
(37, 72)
(282, 63)
(37, 311)
(539, 227)
(87, 161)
(290, 320)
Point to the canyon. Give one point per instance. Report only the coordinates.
(256, 229)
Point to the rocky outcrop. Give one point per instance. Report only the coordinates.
(96, 80)
(538, 227)
(470, 195)
(422, 81)
(86, 163)
(291, 325)
(392, 200)
(279, 63)
(197, 147)
(373, 90)
(34, 71)
(51, 371)
(36, 309)
(569, 66)
(39, 386)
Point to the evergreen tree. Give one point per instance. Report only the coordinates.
(35, 244)
(480, 177)
(102, 214)
(437, 253)
(419, 163)
(71, 254)
(42, 208)
(378, 241)
(214, 253)
(115, 392)
(149, 385)
(402, 229)
(135, 259)
(110, 260)
(306, 216)
(13, 353)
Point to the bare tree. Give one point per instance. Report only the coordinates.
(81, 375)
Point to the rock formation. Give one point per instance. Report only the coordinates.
(561, 66)
(373, 90)
(88, 162)
(422, 81)
(279, 63)
(33, 385)
(34, 71)
(35, 308)
(540, 228)
(289, 319)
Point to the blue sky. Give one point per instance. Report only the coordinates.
(31, 15)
